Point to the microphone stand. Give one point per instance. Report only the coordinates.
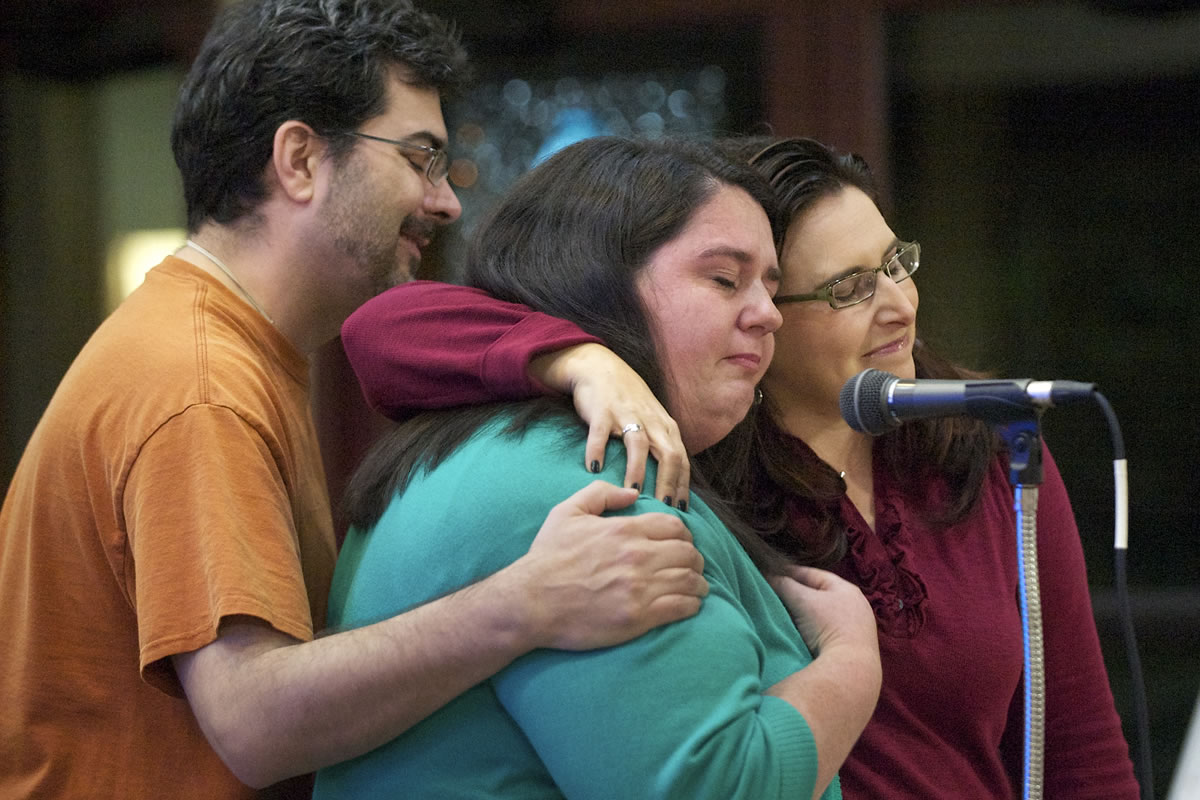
(1024, 440)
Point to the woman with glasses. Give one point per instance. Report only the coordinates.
(921, 518)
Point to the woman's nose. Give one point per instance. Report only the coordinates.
(762, 312)
(899, 297)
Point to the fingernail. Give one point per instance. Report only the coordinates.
(637, 486)
(667, 499)
(683, 505)
(595, 466)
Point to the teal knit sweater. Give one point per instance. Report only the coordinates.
(677, 713)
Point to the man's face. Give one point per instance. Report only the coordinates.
(381, 209)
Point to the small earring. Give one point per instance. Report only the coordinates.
(758, 396)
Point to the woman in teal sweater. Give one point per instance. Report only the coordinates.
(667, 251)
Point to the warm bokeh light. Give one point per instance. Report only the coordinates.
(470, 134)
(464, 172)
(131, 255)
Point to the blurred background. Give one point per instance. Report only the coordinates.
(1045, 154)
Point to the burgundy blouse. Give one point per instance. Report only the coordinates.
(949, 719)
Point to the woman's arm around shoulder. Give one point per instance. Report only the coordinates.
(427, 345)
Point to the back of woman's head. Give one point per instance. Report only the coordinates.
(571, 236)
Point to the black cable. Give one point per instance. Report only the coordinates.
(1141, 714)
(1114, 427)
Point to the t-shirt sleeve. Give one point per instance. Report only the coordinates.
(211, 534)
(427, 345)
(1086, 755)
(677, 712)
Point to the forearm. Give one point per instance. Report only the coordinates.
(836, 695)
(273, 707)
(427, 345)
(706, 730)
(281, 708)
(560, 370)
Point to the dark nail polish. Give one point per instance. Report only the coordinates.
(683, 505)
(637, 486)
(667, 499)
(595, 466)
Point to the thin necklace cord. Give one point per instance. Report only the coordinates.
(221, 266)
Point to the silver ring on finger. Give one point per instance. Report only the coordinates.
(632, 427)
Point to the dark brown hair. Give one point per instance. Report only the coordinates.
(323, 62)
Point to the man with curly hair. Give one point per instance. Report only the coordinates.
(167, 545)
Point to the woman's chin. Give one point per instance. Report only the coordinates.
(716, 432)
(901, 365)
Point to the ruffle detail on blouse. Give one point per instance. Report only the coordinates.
(880, 564)
(879, 561)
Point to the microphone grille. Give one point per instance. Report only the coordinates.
(862, 402)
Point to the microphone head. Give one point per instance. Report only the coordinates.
(863, 402)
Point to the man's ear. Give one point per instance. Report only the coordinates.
(297, 153)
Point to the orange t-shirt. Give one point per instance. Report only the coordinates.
(174, 479)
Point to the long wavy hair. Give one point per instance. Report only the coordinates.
(773, 480)
(569, 240)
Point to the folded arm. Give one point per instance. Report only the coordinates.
(688, 710)
(838, 692)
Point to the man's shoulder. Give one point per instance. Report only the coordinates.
(156, 358)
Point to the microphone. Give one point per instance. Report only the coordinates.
(875, 402)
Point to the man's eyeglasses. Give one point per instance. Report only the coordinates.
(434, 160)
(860, 286)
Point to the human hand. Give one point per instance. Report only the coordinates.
(593, 581)
(609, 395)
(836, 693)
(829, 611)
